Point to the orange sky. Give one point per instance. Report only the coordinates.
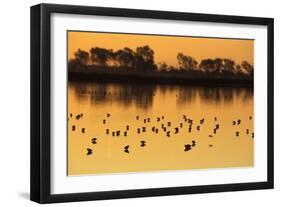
(166, 48)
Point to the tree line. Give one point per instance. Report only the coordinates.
(142, 59)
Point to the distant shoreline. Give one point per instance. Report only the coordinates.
(161, 78)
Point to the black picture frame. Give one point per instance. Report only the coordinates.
(41, 95)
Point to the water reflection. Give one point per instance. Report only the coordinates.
(127, 94)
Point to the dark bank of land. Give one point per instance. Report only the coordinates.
(127, 65)
(87, 73)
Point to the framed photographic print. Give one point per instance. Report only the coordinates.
(133, 103)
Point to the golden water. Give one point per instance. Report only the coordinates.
(126, 101)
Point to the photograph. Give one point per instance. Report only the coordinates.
(143, 103)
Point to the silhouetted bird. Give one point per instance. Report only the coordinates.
(107, 131)
(162, 126)
(73, 128)
(253, 134)
(78, 117)
(162, 117)
(144, 121)
(127, 127)
(70, 114)
(233, 122)
(126, 149)
(143, 143)
(176, 130)
(193, 143)
(169, 123)
(247, 131)
(215, 131)
(210, 135)
(89, 151)
(94, 140)
(158, 119)
(148, 119)
(107, 115)
(113, 134)
(81, 115)
(210, 145)
(181, 125)
(117, 133)
(137, 117)
(153, 128)
(215, 118)
(237, 134)
(168, 133)
(250, 117)
(187, 147)
(143, 129)
(165, 129)
(198, 128)
(83, 130)
(189, 130)
(156, 130)
(202, 121)
(217, 126)
(125, 133)
(238, 121)
(104, 121)
(138, 130)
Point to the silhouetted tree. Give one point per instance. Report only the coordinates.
(125, 57)
(100, 56)
(229, 65)
(207, 65)
(145, 58)
(247, 67)
(163, 66)
(218, 64)
(82, 57)
(186, 63)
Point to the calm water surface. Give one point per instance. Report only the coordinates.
(219, 108)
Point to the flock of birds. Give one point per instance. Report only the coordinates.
(162, 126)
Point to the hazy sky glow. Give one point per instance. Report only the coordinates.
(165, 48)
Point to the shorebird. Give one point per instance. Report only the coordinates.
(107, 131)
(247, 131)
(107, 115)
(143, 143)
(94, 140)
(137, 117)
(89, 151)
(126, 149)
(237, 134)
(233, 122)
(238, 121)
(104, 121)
(83, 130)
(202, 121)
(198, 128)
(70, 114)
(127, 127)
(193, 143)
(125, 133)
(187, 147)
(73, 128)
